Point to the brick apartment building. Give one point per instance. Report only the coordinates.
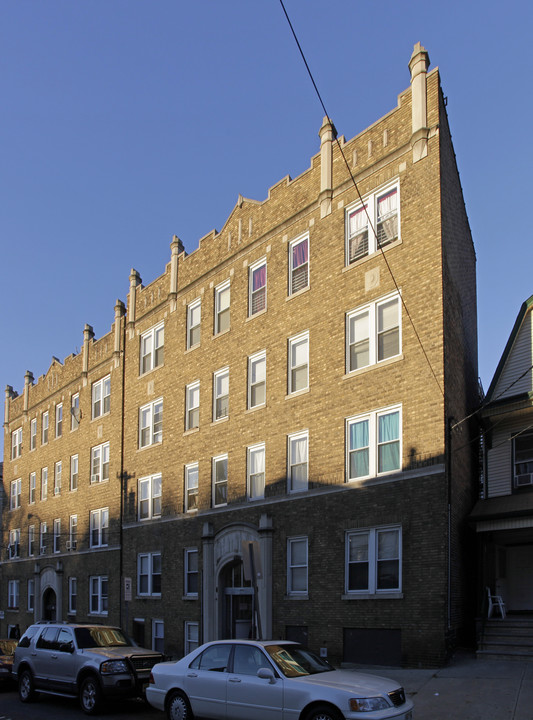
(285, 393)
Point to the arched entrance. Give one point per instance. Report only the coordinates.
(237, 596)
(49, 604)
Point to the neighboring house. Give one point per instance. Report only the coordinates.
(503, 518)
(288, 389)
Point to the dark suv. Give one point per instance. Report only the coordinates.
(85, 661)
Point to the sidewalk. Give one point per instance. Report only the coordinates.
(468, 689)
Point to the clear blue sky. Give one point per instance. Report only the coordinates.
(124, 122)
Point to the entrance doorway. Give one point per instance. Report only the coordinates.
(49, 604)
(237, 597)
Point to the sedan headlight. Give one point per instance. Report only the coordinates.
(111, 667)
(368, 704)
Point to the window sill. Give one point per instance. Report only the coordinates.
(368, 368)
(297, 393)
(373, 596)
(256, 314)
(294, 596)
(374, 255)
(149, 372)
(189, 597)
(193, 347)
(191, 431)
(253, 409)
(297, 293)
(220, 420)
(219, 334)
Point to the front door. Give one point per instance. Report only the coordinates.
(49, 605)
(237, 602)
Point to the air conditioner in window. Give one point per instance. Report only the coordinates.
(95, 478)
(71, 544)
(524, 479)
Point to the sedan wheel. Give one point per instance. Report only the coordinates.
(178, 708)
(323, 712)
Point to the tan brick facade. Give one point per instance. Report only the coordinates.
(415, 602)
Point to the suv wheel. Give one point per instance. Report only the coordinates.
(90, 695)
(26, 687)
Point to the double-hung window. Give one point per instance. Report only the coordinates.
(101, 397)
(14, 543)
(31, 540)
(98, 598)
(373, 333)
(191, 572)
(523, 459)
(57, 535)
(257, 287)
(372, 224)
(43, 530)
(192, 406)
(33, 434)
(151, 423)
(99, 527)
(256, 471)
(16, 443)
(15, 494)
(222, 307)
(194, 318)
(149, 496)
(191, 487)
(33, 488)
(297, 562)
(72, 595)
(44, 483)
(374, 443)
(158, 635)
(298, 264)
(149, 574)
(44, 427)
(100, 463)
(59, 420)
(373, 560)
(152, 348)
(298, 374)
(298, 462)
(57, 477)
(75, 411)
(13, 594)
(220, 480)
(221, 394)
(72, 541)
(191, 636)
(74, 466)
(257, 380)
(31, 595)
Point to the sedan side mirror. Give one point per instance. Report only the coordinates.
(266, 674)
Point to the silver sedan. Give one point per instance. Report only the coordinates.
(270, 680)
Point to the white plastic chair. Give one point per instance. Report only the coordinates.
(495, 601)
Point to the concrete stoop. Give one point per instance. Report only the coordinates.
(509, 639)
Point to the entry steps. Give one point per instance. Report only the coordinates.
(509, 639)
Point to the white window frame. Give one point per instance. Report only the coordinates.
(217, 484)
(75, 414)
(190, 571)
(45, 422)
(373, 422)
(101, 397)
(148, 565)
(150, 490)
(257, 298)
(100, 458)
(98, 594)
(255, 477)
(43, 531)
(220, 378)
(368, 317)
(296, 271)
(292, 441)
(191, 635)
(372, 559)
(44, 483)
(72, 595)
(151, 423)
(99, 527)
(14, 543)
(59, 420)
(194, 323)
(31, 595)
(152, 349)
(192, 405)
(16, 443)
(191, 487)
(370, 223)
(13, 594)
(293, 365)
(31, 540)
(58, 468)
(293, 565)
(74, 472)
(158, 635)
(15, 494)
(222, 307)
(33, 488)
(523, 465)
(57, 535)
(33, 434)
(253, 362)
(72, 543)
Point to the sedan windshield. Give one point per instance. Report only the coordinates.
(91, 637)
(297, 660)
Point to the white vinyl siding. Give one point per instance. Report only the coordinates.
(500, 466)
(518, 361)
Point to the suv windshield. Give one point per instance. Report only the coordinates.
(297, 660)
(91, 637)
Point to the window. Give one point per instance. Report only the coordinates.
(72, 541)
(99, 524)
(72, 595)
(222, 305)
(298, 264)
(298, 363)
(297, 566)
(192, 409)
(373, 560)
(191, 487)
(152, 348)
(31, 595)
(75, 414)
(57, 535)
(42, 538)
(33, 488)
(149, 574)
(221, 394)
(15, 494)
(100, 463)
(297, 452)
(158, 635)
(13, 594)
(191, 637)
(98, 595)
(33, 434)
(523, 459)
(380, 213)
(151, 423)
(191, 572)
(257, 287)
(101, 397)
(150, 497)
(257, 380)
(373, 333)
(44, 428)
(31, 540)
(59, 420)
(194, 317)
(74, 472)
(44, 483)
(256, 471)
(57, 477)
(374, 444)
(14, 543)
(220, 480)
(16, 443)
